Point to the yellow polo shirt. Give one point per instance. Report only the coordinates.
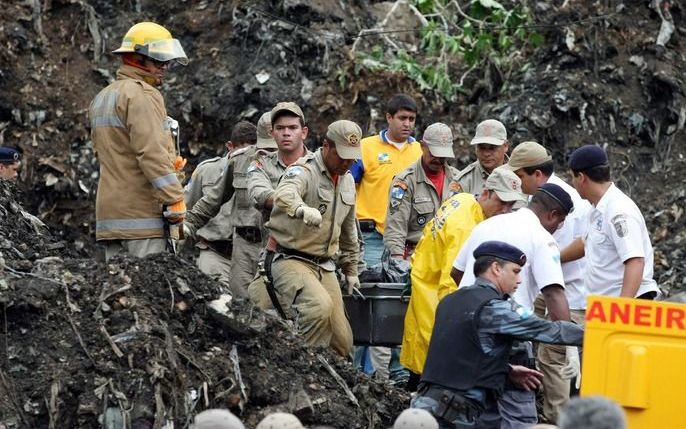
(381, 162)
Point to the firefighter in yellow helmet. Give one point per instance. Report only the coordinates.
(140, 198)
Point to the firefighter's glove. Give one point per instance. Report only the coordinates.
(179, 163)
(176, 212)
(188, 231)
(309, 215)
(352, 283)
(572, 366)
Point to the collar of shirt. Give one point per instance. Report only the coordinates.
(384, 138)
(606, 198)
(480, 281)
(319, 160)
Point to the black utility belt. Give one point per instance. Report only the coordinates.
(367, 225)
(223, 247)
(251, 234)
(298, 254)
(450, 404)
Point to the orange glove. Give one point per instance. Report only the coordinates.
(176, 212)
(179, 163)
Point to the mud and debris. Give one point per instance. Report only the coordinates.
(84, 342)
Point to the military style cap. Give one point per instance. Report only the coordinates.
(490, 131)
(8, 155)
(559, 195)
(439, 139)
(501, 250)
(505, 184)
(587, 157)
(346, 135)
(216, 419)
(415, 418)
(280, 421)
(528, 154)
(287, 106)
(264, 132)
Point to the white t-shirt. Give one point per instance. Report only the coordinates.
(575, 226)
(523, 230)
(616, 232)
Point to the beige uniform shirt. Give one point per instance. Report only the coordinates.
(472, 178)
(205, 176)
(212, 216)
(413, 202)
(308, 182)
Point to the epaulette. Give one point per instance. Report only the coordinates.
(465, 170)
(209, 161)
(239, 151)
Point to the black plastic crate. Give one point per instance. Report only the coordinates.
(377, 318)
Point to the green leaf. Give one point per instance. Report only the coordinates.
(491, 4)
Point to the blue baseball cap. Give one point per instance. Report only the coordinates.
(502, 250)
(8, 155)
(587, 157)
(558, 194)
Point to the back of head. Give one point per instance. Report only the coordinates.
(593, 412)
(280, 421)
(244, 133)
(414, 418)
(401, 102)
(216, 419)
(551, 197)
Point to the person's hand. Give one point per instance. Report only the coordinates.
(188, 232)
(572, 367)
(179, 163)
(176, 212)
(309, 215)
(525, 378)
(352, 283)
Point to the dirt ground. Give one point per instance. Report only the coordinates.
(80, 337)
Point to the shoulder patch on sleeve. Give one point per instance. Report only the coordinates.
(398, 190)
(455, 187)
(294, 170)
(255, 165)
(620, 225)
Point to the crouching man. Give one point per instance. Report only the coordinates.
(467, 364)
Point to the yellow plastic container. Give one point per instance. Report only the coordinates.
(635, 353)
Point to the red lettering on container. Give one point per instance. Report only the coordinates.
(642, 315)
(675, 316)
(596, 312)
(618, 313)
(658, 317)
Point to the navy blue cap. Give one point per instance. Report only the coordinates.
(8, 155)
(501, 250)
(558, 194)
(587, 157)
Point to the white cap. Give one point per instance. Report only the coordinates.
(216, 419)
(490, 131)
(415, 418)
(280, 421)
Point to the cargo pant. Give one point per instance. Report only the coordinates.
(138, 248)
(550, 359)
(244, 259)
(215, 265)
(315, 295)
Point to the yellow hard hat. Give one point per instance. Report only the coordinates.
(154, 41)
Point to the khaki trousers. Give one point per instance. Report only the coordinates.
(138, 248)
(244, 259)
(215, 265)
(551, 360)
(315, 295)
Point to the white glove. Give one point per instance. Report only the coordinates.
(188, 232)
(572, 367)
(310, 215)
(352, 283)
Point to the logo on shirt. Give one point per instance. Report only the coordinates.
(384, 158)
(322, 208)
(621, 227)
(293, 171)
(254, 166)
(421, 220)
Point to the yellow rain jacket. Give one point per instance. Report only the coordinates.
(431, 263)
